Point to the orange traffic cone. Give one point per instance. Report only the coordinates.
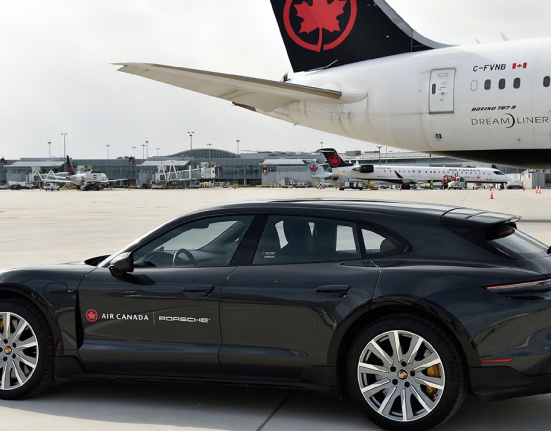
(400, 187)
(491, 193)
(537, 191)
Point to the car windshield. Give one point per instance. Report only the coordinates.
(514, 243)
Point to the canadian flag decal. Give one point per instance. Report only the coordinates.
(520, 65)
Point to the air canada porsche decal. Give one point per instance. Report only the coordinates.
(94, 317)
(122, 316)
(303, 18)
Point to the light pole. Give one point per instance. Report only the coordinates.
(191, 140)
(379, 147)
(49, 149)
(64, 151)
(134, 148)
(209, 145)
(143, 151)
(158, 151)
(386, 156)
(146, 149)
(321, 145)
(108, 145)
(237, 140)
(190, 153)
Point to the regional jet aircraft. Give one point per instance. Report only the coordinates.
(406, 175)
(367, 75)
(85, 180)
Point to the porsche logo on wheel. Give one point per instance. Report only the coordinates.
(319, 25)
(402, 374)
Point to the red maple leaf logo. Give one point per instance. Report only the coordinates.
(321, 15)
(334, 160)
(92, 315)
(313, 168)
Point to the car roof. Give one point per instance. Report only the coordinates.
(356, 205)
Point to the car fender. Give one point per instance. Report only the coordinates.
(15, 290)
(349, 327)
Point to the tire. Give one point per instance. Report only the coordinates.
(425, 407)
(24, 380)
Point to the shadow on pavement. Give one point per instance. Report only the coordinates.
(70, 405)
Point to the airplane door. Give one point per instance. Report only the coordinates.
(441, 94)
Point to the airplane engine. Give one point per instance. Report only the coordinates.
(367, 169)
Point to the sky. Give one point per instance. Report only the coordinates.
(56, 74)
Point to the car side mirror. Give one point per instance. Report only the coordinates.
(122, 264)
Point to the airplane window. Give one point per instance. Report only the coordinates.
(501, 83)
(487, 84)
(546, 81)
(498, 173)
(474, 85)
(433, 88)
(516, 83)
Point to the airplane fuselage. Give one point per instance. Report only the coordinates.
(415, 174)
(488, 103)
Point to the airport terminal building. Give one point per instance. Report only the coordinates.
(250, 168)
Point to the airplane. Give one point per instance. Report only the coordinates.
(319, 174)
(362, 72)
(84, 180)
(326, 178)
(408, 175)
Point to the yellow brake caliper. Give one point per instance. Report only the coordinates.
(433, 371)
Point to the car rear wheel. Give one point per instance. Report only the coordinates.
(26, 356)
(406, 374)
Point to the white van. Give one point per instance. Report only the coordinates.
(51, 186)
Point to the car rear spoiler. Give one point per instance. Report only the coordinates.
(465, 221)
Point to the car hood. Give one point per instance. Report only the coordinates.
(37, 277)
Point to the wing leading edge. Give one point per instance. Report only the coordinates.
(243, 91)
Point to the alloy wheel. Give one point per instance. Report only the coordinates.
(401, 376)
(20, 350)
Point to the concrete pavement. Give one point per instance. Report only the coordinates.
(49, 227)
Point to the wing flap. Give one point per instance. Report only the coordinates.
(242, 90)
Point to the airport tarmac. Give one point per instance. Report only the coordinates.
(49, 227)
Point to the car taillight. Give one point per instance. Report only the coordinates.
(532, 286)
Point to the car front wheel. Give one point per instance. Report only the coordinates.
(26, 355)
(405, 373)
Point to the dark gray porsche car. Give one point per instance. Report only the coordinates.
(403, 308)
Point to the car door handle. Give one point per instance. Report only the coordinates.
(203, 288)
(334, 288)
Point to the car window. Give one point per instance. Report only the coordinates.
(376, 243)
(200, 243)
(508, 239)
(301, 239)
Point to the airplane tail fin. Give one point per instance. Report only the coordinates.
(333, 158)
(70, 169)
(316, 170)
(322, 33)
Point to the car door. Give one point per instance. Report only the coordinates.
(162, 318)
(279, 313)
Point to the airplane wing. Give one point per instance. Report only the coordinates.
(405, 180)
(243, 91)
(112, 181)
